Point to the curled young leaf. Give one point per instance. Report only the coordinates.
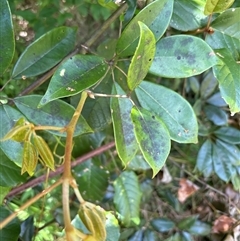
(44, 151)
(30, 158)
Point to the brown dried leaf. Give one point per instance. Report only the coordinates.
(187, 188)
(223, 224)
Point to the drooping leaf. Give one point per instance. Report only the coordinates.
(44, 151)
(127, 198)
(162, 224)
(204, 159)
(156, 16)
(73, 76)
(226, 32)
(227, 73)
(228, 134)
(45, 52)
(92, 179)
(10, 174)
(142, 58)
(30, 158)
(12, 230)
(175, 112)
(9, 116)
(126, 143)
(7, 41)
(56, 113)
(216, 6)
(182, 56)
(188, 15)
(152, 136)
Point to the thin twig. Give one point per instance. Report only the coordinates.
(59, 170)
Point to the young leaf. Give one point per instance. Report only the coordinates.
(227, 73)
(6, 37)
(74, 75)
(174, 111)
(30, 158)
(126, 143)
(44, 151)
(192, 12)
(142, 58)
(226, 32)
(45, 52)
(127, 198)
(216, 6)
(156, 16)
(182, 56)
(152, 136)
(56, 113)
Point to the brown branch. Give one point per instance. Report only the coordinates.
(59, 170)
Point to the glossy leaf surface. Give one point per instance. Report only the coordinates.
(174, 111)
(142, 58)
(9, 116)
(12, 230)
(227, 73)
(127, 198)
(188, 15)
(152, 136)
(215, 6)
(156, 16)
(7, 41)
(73, 76)
(45, 52)
(182, 56)
(226, 32)
(57, 113)
(126, 143)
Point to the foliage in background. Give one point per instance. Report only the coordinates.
(166, 90)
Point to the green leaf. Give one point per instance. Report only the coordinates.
(112, 227)
(204, 159)
(187, 223)
(152, 136)
(162, 224)
(188, 15)
(142, 58)
(149, 235)
(56, 113)
(228, 134)
(218, 116)
(3, 192)
(7, 40)
(12, 230)
(126, 143)
(155, 15)
(45, 52)
(226, 32)
(216, 6)
(200, 228)
(208, 85)
(73, 76)
(227, 73)
(92, 179)
(224, 161)
(182, 56)
(9, 116)
(10, 174)
(138, 235)
(127, 198)
(175, 112)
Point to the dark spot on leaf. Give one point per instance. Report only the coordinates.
(179, 111)
(186, 41)
(157, 31)
(167, 43)
(153, 117)
(149, 59)
(178, 57)
(150, 11)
